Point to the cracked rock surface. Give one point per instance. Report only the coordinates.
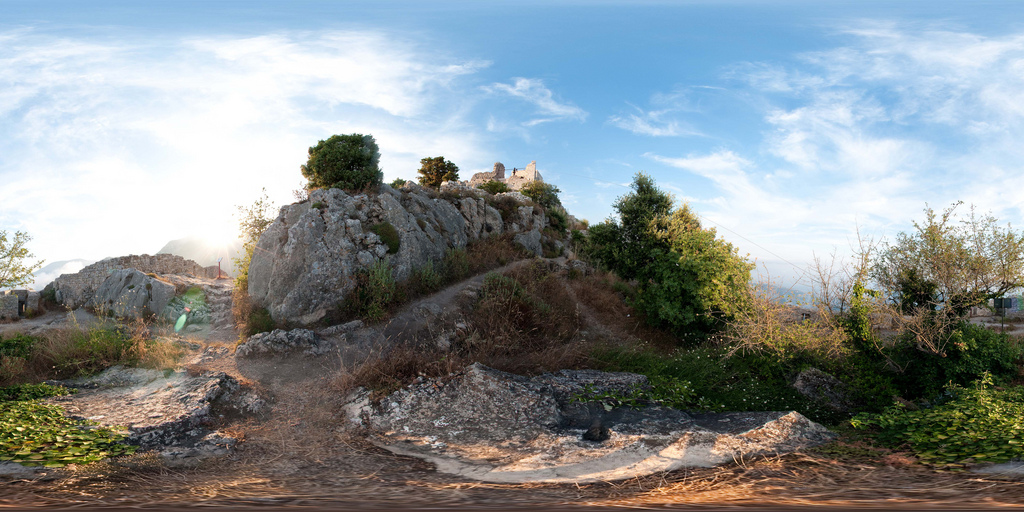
(493, 426)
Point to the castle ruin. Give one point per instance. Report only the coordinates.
(518, 179)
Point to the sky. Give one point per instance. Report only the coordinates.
(791, 127)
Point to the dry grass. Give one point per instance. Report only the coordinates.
(74, 351)
(604, 300)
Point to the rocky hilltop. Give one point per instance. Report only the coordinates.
(304, 263)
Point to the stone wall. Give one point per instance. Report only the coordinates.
(75, 290)
(8, 307)
(516, 181)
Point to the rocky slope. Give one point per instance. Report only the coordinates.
(305, 262)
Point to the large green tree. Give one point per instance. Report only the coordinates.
(688, 279)
(13, 253)
(349, 162)
(437, 170)
(951, 262)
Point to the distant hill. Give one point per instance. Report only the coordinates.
(53, 270)
(204, 252)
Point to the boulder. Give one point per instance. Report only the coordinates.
(493, 426)
(825, 390)
(129, 293)
(160, 408)
(531, 242)
(280, 341)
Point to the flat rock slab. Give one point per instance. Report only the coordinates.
(493, 426)
(159, 408)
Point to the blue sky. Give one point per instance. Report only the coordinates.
(787, 125)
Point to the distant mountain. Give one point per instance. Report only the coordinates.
(53, 270)
(205, 252)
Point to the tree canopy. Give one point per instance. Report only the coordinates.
(13, 253)
(349, 162)
(437, 170)
(688, 279)
(950, 262)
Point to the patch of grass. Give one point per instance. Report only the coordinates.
(388, 235)
(21, 392)
(374, 292)
(17, 345)
(259, 321)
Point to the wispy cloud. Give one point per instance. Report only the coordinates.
(663, 120)
(160, 138)
(546, 107)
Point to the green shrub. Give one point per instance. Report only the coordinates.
(455, 264)
(495, 187)
(976, 424)
(427, 278)
(348, 162)
(375, 290)
(319, 205)
(260, 321)
(397, 184)
(506, 206)
(17, 345)
(972, 351)
(544, 194)
(559, 220)
(388, 234)
(22, 392)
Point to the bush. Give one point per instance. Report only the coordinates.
(455, 264)
(348, 162)
(259, 321)
(495, 187)
(559, 220)
(388, 234)
(506, 206)
(426, 278)
(434, 171)
(544, 194)
(976, 424)
(398, 183)
(17, 345)
(375, 290)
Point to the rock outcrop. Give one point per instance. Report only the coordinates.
(76, 290)
(493, 426)
(280, 341)
(305, 262)
(163, 410)
(127, 292)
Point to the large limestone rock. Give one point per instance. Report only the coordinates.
(305, 262)
(493, 426)
(76, 290)
(129, 293)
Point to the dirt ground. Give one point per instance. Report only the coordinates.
(302, 456)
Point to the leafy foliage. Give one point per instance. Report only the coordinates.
(349, 162)
(495, 187)
(374, 291)
(21, 392)
(976, 424)
(662, 391)
(13, 272)
(398, 182)
(544, 194)
(17, 345)
(34, 433)
(388, 234)
(689, 280)
(436, 170)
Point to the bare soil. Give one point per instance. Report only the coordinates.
(302, 456)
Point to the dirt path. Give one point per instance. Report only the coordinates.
(301, 458)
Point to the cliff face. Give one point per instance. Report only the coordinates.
(304, 263)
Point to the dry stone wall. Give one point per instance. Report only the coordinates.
(306, 261)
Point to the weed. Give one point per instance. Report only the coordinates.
(388, 235)
(374, 292)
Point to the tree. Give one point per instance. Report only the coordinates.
(434, 171)
(252, 222)
(12, 271)
(544, 194)
(349, 162)
(951, 264)
(687, 279)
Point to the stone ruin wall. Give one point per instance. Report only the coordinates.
(74, 290)
(516, 181)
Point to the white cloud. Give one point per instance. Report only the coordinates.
(109, 147)
(533, 91)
